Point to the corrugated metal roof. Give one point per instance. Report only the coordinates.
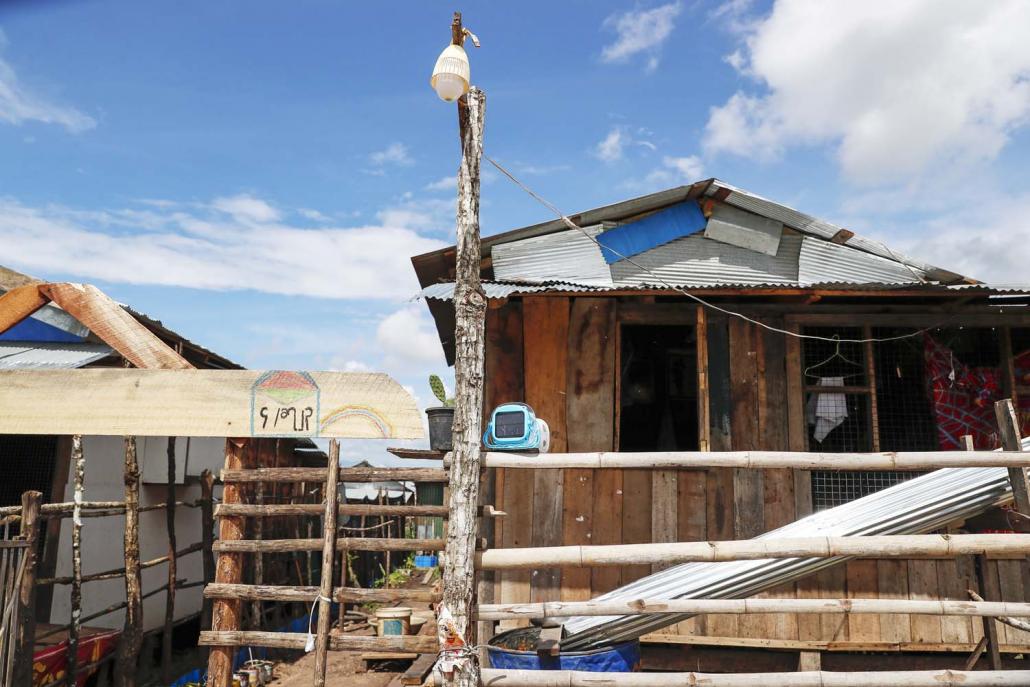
(697, 261)
(821, 262)
(36, 356)
(554, 257)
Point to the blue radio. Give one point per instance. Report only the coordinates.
(514, 427)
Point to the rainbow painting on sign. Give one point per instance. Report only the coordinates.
(284, 404)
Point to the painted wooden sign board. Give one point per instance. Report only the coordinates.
(207, 403)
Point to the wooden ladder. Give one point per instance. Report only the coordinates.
(243, 471)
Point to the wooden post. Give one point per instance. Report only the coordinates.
(990, 637)
(325, 590)
(207, 535)
(132, 634)
(1008, 427)
(485, 585)
(225, 613)
(25, 618)
(470, 312)
(166, 637)
(76, 592)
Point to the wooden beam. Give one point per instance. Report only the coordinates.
(692, 460)
(266, 475)
(115, 326)
(886, 546)
(421, 644)
(923, 678)
(19, 303)
(568, 609)
(353, 544)
(253, 510)
(248, 592)
(214, 403)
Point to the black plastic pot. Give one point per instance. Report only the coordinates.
(441, 427)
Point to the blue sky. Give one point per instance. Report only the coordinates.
(257, 174)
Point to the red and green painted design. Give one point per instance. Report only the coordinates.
(284, 403)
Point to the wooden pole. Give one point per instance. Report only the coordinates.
(328, 556)
(470, 311)
(25, 618)
(132, 634)
(207, 535)
(887, 546)
(166, 637)
(692, 460)
(990, 628)
(923, 678)
(1008, 427)
(568, 609)
(79, 460)
(225, 613)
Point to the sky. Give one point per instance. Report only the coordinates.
(258, 174)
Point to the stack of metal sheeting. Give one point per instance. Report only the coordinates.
(917, 506)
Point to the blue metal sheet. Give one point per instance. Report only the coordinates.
(654, 230)
(32, 329)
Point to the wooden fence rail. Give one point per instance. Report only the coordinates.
(273, 475)
(565, 609)
(349, 544)
(248, 592)
(884, 461)
(882, 546)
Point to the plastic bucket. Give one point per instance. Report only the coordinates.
(394, 621)
(441, 425)
(425, 561)
(515, 649)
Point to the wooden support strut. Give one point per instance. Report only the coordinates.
(166, 637)
(25, 615)
(78, 458)
(131, 640)
(328, 556)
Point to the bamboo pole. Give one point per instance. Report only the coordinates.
(25, 619)
(132, 634)
(882, 546)
(328, 556)
(74, 628)
(166, 637)
(559, 609)
(883, 461)
(922, 678)
(207, 534)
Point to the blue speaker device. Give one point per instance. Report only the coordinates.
(515, 427)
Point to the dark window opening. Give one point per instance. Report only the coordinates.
(658, 385)
(28, 466)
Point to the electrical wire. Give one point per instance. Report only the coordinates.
(572, 225)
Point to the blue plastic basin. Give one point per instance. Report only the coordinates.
(617, 658)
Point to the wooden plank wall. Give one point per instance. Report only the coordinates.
(560, 354)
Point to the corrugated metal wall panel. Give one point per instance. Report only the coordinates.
(822, 262)
(36, 356)
(563, 256)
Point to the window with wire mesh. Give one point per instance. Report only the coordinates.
(28, 466)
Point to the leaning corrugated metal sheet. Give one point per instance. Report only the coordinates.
(917, 506)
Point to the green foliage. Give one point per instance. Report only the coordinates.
(436, 384)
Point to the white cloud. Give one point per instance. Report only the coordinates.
(394, 154)
(896, 88)
(201, 247)
(640, 32)
(408, 340)
(611, 146)
(246, 208)
(444, 184)
(19, 104)
(355, 366)
(673, 171)
(313, 215)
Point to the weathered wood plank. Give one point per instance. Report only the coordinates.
(273, 510)
(954, 577)
(691, 485)
(19, 303)
(636, 517)
(346, 475)
(590, 427)
(664, 509)
(892, 583)
(922, 584)
(214, 403)
(351, 544)
(545, 349)
(862, 584)
(250, 592)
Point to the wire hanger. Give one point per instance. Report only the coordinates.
(837, 355)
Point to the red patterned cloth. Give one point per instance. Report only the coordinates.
(962, 397)
(1021, 365)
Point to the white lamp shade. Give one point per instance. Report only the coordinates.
(451, 75)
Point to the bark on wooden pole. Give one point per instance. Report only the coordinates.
(1008, 427)
(470, 311)
(328, 555)
(25, 618)
(207, 535)
(74, 628)
(166, 637)
(132, 634)
(225, 613)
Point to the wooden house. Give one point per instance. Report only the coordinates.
(705, 317)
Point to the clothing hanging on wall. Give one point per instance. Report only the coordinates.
(826, 411)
